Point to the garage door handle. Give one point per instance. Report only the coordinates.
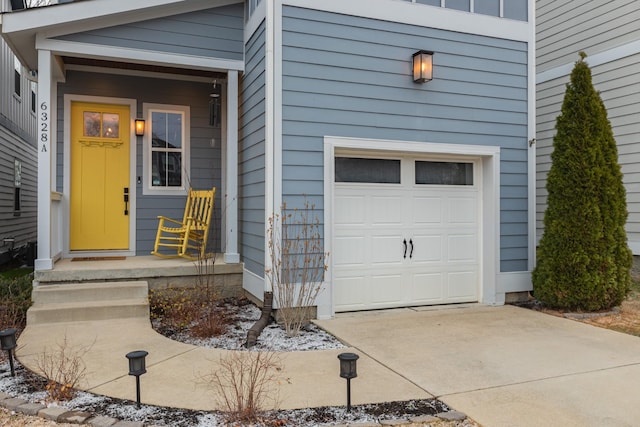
(411, 253)
(404, 242)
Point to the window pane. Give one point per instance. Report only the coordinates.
(515, 9)
(487, 7)
(174, 130)
(458, 4)
(382, 171)
(174, 170)
(444, 173)
(159, 129)
(91, 124)
(166, 169)
(110, 125)
(431, 2)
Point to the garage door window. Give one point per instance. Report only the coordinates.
(444, 173)
(378, 171)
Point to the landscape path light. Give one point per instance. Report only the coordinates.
(136, 368)
(348, 370)
(8, 343)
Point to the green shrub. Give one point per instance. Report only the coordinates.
(583, 258)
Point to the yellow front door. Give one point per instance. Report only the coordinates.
(99, 214)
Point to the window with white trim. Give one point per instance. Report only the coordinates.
(166, 149)
(17, 77)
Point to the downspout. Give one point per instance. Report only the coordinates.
(265, 318)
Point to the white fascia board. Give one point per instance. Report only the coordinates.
(85, 50)
(424, 16)
(100, 14)
(594, 60)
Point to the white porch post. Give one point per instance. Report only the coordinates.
(231, 255)
(44, 138)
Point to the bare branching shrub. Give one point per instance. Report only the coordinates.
(63, 369)
(246, 382)
(177, 307)
(298, 264)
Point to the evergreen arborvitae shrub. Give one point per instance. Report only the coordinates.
(583, 259)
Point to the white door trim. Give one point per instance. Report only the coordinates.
(66, 183)
(490, 205)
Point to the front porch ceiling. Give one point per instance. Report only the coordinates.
(129, 66)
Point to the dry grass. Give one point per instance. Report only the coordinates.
(626, 319)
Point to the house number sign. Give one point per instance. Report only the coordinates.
(44, 126)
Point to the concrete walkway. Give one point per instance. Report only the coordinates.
(502, 366)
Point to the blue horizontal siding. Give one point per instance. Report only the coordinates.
(350, 76)
(252, 155)
(212, 33)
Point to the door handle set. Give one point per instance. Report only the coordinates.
(404, 245)
(126, 201)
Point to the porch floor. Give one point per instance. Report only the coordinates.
(158, 272)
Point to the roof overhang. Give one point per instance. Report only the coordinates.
(21, 29)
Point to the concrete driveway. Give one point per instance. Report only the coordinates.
(504, 366)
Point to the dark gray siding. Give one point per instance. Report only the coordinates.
(350, 76)
(212, 33)
(252, 155)
(205, 160)
(22, 225)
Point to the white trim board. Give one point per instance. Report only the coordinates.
(594, 60)
(88, 50)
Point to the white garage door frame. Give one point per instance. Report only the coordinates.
(489, 157)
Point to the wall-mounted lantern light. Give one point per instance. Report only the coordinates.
(8, 343)
(136, 368)
(422, 66)
(348, 371)
(139, 127)
(215, 104)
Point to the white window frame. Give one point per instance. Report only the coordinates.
(147, 188)
(17, 78)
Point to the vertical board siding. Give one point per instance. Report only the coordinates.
(564, 28)
(251, 181)
(17, 142)
(619, 88)
(349, 76)
(213, 33)
(205, 160)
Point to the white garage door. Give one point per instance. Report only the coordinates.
(406, 232)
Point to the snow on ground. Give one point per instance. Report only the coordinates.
(272, 338)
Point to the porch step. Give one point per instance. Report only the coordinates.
(88, 301)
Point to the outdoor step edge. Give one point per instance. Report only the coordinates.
(109, 291)
(52, 287)
(88, 304)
